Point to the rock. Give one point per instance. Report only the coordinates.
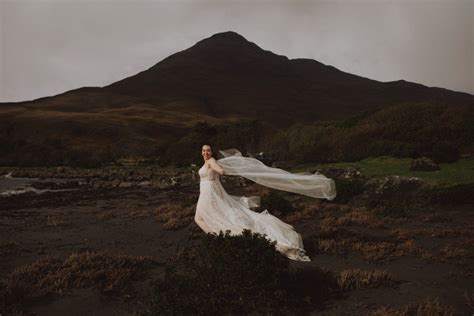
(187, 178)
(125, 185)
(394, 186)
(101, 204)
(144, 184)
(341, 173)
(115, 183)
(423, 164)
(97, 184)
(174, 181)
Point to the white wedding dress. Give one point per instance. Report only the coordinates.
(217, 211)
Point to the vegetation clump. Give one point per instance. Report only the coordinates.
(109, 273)
(237, 274)
(276, 203)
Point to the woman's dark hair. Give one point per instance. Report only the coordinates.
(213, 150)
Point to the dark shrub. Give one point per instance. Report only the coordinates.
(108, 272)
(243, 274)
(276, 204)
(393, 148)
(445, 152)
(88, 157)
(400, 206)
(457, 194)
(348, 188)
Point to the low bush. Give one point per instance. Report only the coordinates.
(236, 274)
(348, 188)
(456, 194)
(109, 273)
(445, 152)
(276, 204)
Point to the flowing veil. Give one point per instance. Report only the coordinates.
(314, 185)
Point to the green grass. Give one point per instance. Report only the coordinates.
(450, 174)
(460, 172)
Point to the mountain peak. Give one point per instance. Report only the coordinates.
(229, 39)
(228, 36)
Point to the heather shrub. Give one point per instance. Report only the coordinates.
(236, 274)
(276, 204)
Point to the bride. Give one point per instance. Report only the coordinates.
(216, 210)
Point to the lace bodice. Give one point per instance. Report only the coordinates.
(208, 174)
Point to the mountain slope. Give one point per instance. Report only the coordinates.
(227, 75)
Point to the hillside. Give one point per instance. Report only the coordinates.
(220, 80)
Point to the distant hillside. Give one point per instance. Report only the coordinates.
(440, 132)
(221, 80)
(227, 75)
(443, 133)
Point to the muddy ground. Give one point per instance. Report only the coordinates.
(429, 255)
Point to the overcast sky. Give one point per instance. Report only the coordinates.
(51, 46)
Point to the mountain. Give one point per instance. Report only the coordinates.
(223, 78)
(227, 75)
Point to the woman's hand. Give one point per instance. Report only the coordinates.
(214, 165)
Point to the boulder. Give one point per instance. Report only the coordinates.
(115, 183)
(125, 185)
(349, 173)
(390, 187)
(423, 164)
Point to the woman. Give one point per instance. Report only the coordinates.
(216, 210)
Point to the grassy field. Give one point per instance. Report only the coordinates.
(460, 172)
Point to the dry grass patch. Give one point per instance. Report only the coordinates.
(427, 307)
(109, 273)
(8, 248)
(332, 246)
(358, 217)
(469, 300)
(105, 216)
(174, 216)
(373, 251)
(447, 232)
(435, 218)
(330, 207)
(56, 220)
(454, 252)
(139, 214)
(307, 212)
(328, 223)
(383, 251)
(363, 279)
(408, 247)
(401, 234)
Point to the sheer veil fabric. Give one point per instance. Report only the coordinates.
(314, 185)
(217, 211)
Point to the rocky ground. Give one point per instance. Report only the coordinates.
(426, 253)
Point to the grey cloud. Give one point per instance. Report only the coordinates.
(51, 46)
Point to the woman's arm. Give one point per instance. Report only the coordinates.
(214, 165)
